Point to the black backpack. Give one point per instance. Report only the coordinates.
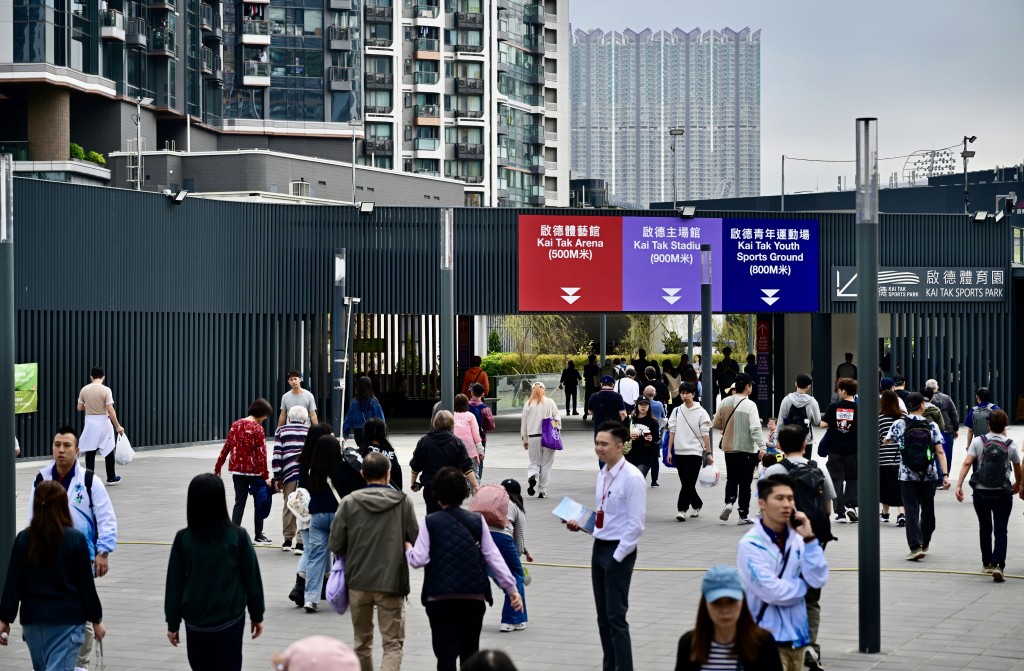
(797, 417)
(992, 462)
(809, 496)
(917, 450)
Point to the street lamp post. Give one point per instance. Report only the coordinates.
(966, 154)
(354, 125)
(673, 134)
(139, 102)
(7, 483)
(447, 311)
(707, 392)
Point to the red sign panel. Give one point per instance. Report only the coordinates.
(570, 264)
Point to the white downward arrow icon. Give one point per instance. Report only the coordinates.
(671, 297)
(769, 296)
(570, 296)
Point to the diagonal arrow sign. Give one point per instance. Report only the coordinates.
(840, 292)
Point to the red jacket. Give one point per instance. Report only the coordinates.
(247, 444)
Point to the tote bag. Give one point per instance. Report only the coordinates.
(550, 436)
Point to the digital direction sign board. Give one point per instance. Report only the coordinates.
(653, 264)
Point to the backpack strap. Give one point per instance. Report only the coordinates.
(764, 606)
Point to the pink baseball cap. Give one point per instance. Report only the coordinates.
(318, 653)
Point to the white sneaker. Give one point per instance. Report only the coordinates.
(311, 607)
(505, 628)
(725, 513)
(81, 668)
(520, 626)
(695, 512)
(681, 516)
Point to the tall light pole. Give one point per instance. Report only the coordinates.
(354, 125)
(707, 391)
(673, 134)
(869, 585)
(966, 154)
(7, 484)
(447, 311)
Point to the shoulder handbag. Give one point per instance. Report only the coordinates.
(726, 427)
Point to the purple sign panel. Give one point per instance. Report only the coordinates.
(661, 263)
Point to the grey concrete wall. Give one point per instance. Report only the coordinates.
(334, 149)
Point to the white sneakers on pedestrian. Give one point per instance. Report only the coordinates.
(311, 607)
(681, 516)
(505, 628)
(725, 513)
(695, 512)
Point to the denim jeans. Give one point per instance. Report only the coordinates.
(993, 512)
(319, 530)
(53, 647)
(304, 558)
(507, 548)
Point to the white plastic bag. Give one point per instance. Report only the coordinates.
(709, 476)
(123, 452)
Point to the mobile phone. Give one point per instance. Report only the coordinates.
(794, 521)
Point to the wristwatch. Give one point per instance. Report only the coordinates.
(103, 553)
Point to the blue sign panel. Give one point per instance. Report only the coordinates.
(769, 265)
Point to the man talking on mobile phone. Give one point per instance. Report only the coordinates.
(779, 559)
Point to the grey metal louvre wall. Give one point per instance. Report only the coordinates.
(196, 309)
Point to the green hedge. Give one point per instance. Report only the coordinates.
(507, 363)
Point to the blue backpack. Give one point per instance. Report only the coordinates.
(479, 414)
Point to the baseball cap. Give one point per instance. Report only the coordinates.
(318, 653)
(721, 582)
(914, 401)
(539, 384)
(886, 383)
(607, 379)
(512, 486)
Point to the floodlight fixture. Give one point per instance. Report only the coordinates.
(968, 153)
(179, 197)
(999, 216)
(980, 216)
(677, 131)
(688, 211)
(366, 207)
(971, 139)
(145, 101)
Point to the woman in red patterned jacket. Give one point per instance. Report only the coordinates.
(247, 444)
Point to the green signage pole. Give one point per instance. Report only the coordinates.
(8, 487)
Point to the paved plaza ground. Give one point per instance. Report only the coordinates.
(941, 613)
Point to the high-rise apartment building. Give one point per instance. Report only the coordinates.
(737, 113)
(475, 90)
(629, 89)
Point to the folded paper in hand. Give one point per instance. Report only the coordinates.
(569, 510)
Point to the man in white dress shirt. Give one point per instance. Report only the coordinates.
(621, 497)
(629, 389)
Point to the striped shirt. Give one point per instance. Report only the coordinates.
(289, 440)
(722, 657)
(888, 455)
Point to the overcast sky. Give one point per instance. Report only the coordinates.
(931, 71)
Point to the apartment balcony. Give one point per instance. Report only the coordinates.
(211, 25)
(136, 32)
(382, 146)
(426, 11)
(473, 20)
(501, 4)
(473, 49)
(257, 2)
(551, 165)
(502, 34)
(501, 125)
(466, 150)
(550, 49)
(426, 144)
(533, 15)
(161, 42)
(166, 5)
(377, 109)
(427, 49)
(425, 77)
(378, 14)
(501, 159)
(467, 114)
(206, 13)
(17, 148)
(533, 135)
(535, 200)
(378, 80)
(470, 179)
(550, 195)
(212, 66)
(256, 33)
(535, 75)
(550, 19)
(534, 44)
(469, 85)
(112, 26)
(551, 107)
(427, 115)
(342, 5)
(550, 138)
(534, 100)
(550, 78)
(340, 78)
(340, 39)
(256, 74)
(379, 42)
(501, 65)
(535, 164)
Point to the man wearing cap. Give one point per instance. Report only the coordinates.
(629, 389)
(607, 405)
(918, 489)
(779, 559)
(887, 384)
(372, 529)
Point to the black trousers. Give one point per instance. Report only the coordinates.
(843, 469)
(90, 463)
(428, 498)
(919, 504)
(455, 630)
(611, 596)
(688, 468)
(587, 393)
(993, 512)
(739, 468)
(241, 483)
(571, 394)
(215, 650)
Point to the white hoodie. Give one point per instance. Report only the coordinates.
(810, 406)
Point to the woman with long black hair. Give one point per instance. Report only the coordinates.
(213, 576)
(364, 406)
(725, 636)
(375, 439)
(51, 579)
(316, 432)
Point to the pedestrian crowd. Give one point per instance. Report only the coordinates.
(347, 519)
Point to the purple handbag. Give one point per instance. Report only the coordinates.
(337, 588)
(550, 436)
